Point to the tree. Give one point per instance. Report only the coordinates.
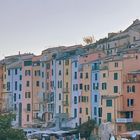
(86, 128)
(89, 40)
(6, 130)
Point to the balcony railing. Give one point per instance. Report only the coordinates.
(66, 90)
(95, 68)
(65, 103)
(124, 120)
(26, 110)
(132, 80)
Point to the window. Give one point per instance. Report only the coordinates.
(128, 89)
(28, 118)
(75, 75)
(59, 109)
(8, 86)
(42, 64)
(109, 117)
(86, 75)
(59, 72)
(80, 121)
(59, 96)
(42, 84)
(116, 64)
(20, 77)
(81, 75)
(16, 85)
(67, 72)
(60, 62)
(104, 86)
(80, 111)
(27, 83)
(15, 97)
(81, 86)
(27, 95)
(130, 102)
(86, 111)
(48, 66)
(75, 100)
(97, 86)
(37, 83)
(8, 72)
(95, 111)
(37, 73)
(76, 85)
(108, 103)
(75, 112)
(66, 99)
(75, 64)
(28, 107)
(96, 76)
(100, 112)
(66, 62)
(20, 87)
(94, 86)
(104, 75)
(61, 84)
(27, 63)
(115, 76)
(27, 72)
(15, 71)
(67, 111)
(95, 98)
(19, 96)
(133, 88)
(115, 89)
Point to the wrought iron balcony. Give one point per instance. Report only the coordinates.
(124, 120)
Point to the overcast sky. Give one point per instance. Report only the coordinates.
(34, 25)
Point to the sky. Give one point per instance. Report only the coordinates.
(34, 25)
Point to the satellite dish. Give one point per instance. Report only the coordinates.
(133, 135)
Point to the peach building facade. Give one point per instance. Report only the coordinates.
(27, 92)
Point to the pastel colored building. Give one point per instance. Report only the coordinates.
(74, 90)
(95, 95)
(36, 89)
(130, 112)
(67, 86)
(85, 78)
(27, 92)
(84, 94)
(118, 40)
(14, 86)
(111, 90)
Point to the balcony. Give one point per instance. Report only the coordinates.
(124, 120)
(95, 68)
(132, 80)
(65, 103)
(26, 110)
(66, 90)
